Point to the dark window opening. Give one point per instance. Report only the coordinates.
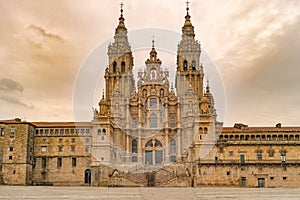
(123, 67)
(59, 162)
(114, 67)
(185, 65)
(44, 162)
(74, 162)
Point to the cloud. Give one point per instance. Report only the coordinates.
(7, 84)
(42, 32)
(11, 92)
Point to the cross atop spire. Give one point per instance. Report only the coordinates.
(121, 5)
(187, 6)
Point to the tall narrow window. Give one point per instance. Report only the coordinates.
(153, 103)
(133, 123)
(114, 67)
(44, 162)
(74, 163)
(259, 155)
(134, 150)
(193, 65)
(2, 132)
(172, 122)
(123, 67)
(153, 121)
(99, 131)
(59, 162)
(173, 150)
(185, 65)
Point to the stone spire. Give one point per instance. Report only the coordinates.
(121, 27)
(188, 28)
(153, 53)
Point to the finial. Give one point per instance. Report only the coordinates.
(153, 41)
(121, 5)
(187, 6)
(207, 86)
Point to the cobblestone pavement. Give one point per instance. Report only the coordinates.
(91, 193)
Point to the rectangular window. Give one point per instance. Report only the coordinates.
(81, 131)
(51, 131)
(12, 138)
(153, 103)
(74, 162)
(87, 148)
(231, 153)
(44, 149)
(272, 178)
(72, 131)
(2, 131)
(46, 131)
(59, 162)
(44, 162)
(41, 131)
(271, 153)
(10, 157)
(260, 168)
(11, 149)
(60, 140)
(60, 149)
(284, 178)
(34, 163)
(242, 158)
(259, 155)
(12, 130)
(87, 130)
(134, 159)
(56, 131)
(87, 140)
(73, 139)
(73, 148)
(67, 131)
(221, 149)
(283, 167)
(61, 131)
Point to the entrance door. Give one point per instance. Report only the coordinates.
(243, 181)
(261, 182)
(87, 176)
(148, 157)
(158, 156)
(150, 179)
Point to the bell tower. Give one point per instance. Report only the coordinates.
(189, 68)
(118, 74)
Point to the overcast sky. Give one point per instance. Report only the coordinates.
(255, 46)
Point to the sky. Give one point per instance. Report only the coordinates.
(254, 45)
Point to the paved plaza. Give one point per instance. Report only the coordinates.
(89, 193)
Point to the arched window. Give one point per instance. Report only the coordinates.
(173, 146)
(87, 176)
(172, 122)
(99, 131)
(114, 67)
(149, 144)
(193, 65)
(205, 130)
(104, 131)
(133, 123)
(157, 143)
(153, 121)
(134, 146)
(123, 67)
(185, 65)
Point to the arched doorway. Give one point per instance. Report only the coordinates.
(87, 176)
(153, 152)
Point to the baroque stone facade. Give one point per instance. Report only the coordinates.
(147, 133)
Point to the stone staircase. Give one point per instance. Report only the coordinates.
(165, 177)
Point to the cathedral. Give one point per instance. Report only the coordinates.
(147, 132)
